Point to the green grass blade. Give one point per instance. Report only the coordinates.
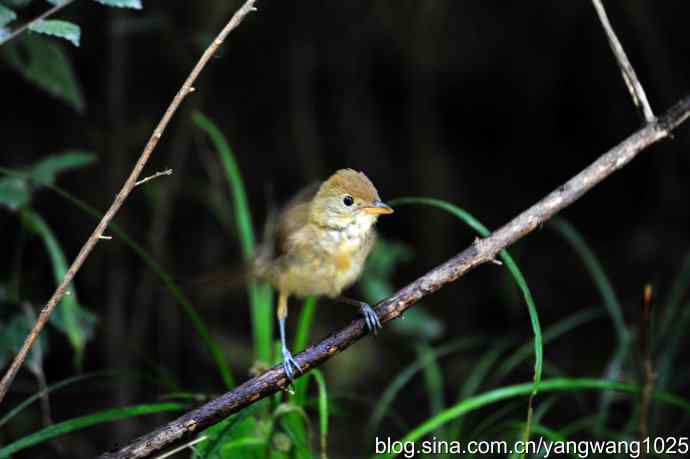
(593, 265)
(611, 302)
(241, 443)
(223, 437)
(554, 332)
(69, 306)
(475, 224)
(406, 374)
(173, 289)
(296, 424)
(490, 421)
(674, 345)
(163, 275)
(676, 294)
(51, 388)
(306, 318)
(323, 411)
(72, 425)
(243, 217)
(260, 296)
(474, 380)
(539, 429)
(549, 385)
(433, 378)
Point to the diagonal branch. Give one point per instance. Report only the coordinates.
(131, 182)
(629, 76)
(481, 251)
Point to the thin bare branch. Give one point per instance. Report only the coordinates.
(91, 242)
(151, 177)
(183, 447)
(479, 252)
(629, 76)
(47, 13)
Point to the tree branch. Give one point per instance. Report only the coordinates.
(629, 76)
(121, 196)
(481, 251)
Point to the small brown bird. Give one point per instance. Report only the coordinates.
(318, 246)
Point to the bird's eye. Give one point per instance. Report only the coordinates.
(348, 200)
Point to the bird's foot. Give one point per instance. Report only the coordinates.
(370, 316)
(290, 365)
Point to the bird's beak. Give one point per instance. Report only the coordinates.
(378, 208)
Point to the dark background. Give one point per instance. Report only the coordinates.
(487, 105)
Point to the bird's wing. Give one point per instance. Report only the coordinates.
(289, 219)
(293, 217)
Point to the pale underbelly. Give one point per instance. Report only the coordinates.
(318, 278)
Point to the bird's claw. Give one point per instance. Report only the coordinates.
(371, 318)
(290, 365)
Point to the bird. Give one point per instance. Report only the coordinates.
(317, 245)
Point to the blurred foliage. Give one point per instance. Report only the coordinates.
(377, 283)
(70, 317)
(44, 62)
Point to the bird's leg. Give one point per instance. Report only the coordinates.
(289, 363)
(370, 316)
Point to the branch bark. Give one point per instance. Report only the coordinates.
(480, 252)
(131, 182)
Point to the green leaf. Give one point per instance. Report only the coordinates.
(72, 425)
(46, 170)
(57, 28)
(260, 296)
(6, 15)
(14, 193)
(70, 317)
(44, 63)
(134, 4)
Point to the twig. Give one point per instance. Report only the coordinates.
(634, 86)
(183, 447)
(479, 252)
(647, 370)
(47, 13)
(121, 196)
(151, 177)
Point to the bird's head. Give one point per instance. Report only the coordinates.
(347, 198)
